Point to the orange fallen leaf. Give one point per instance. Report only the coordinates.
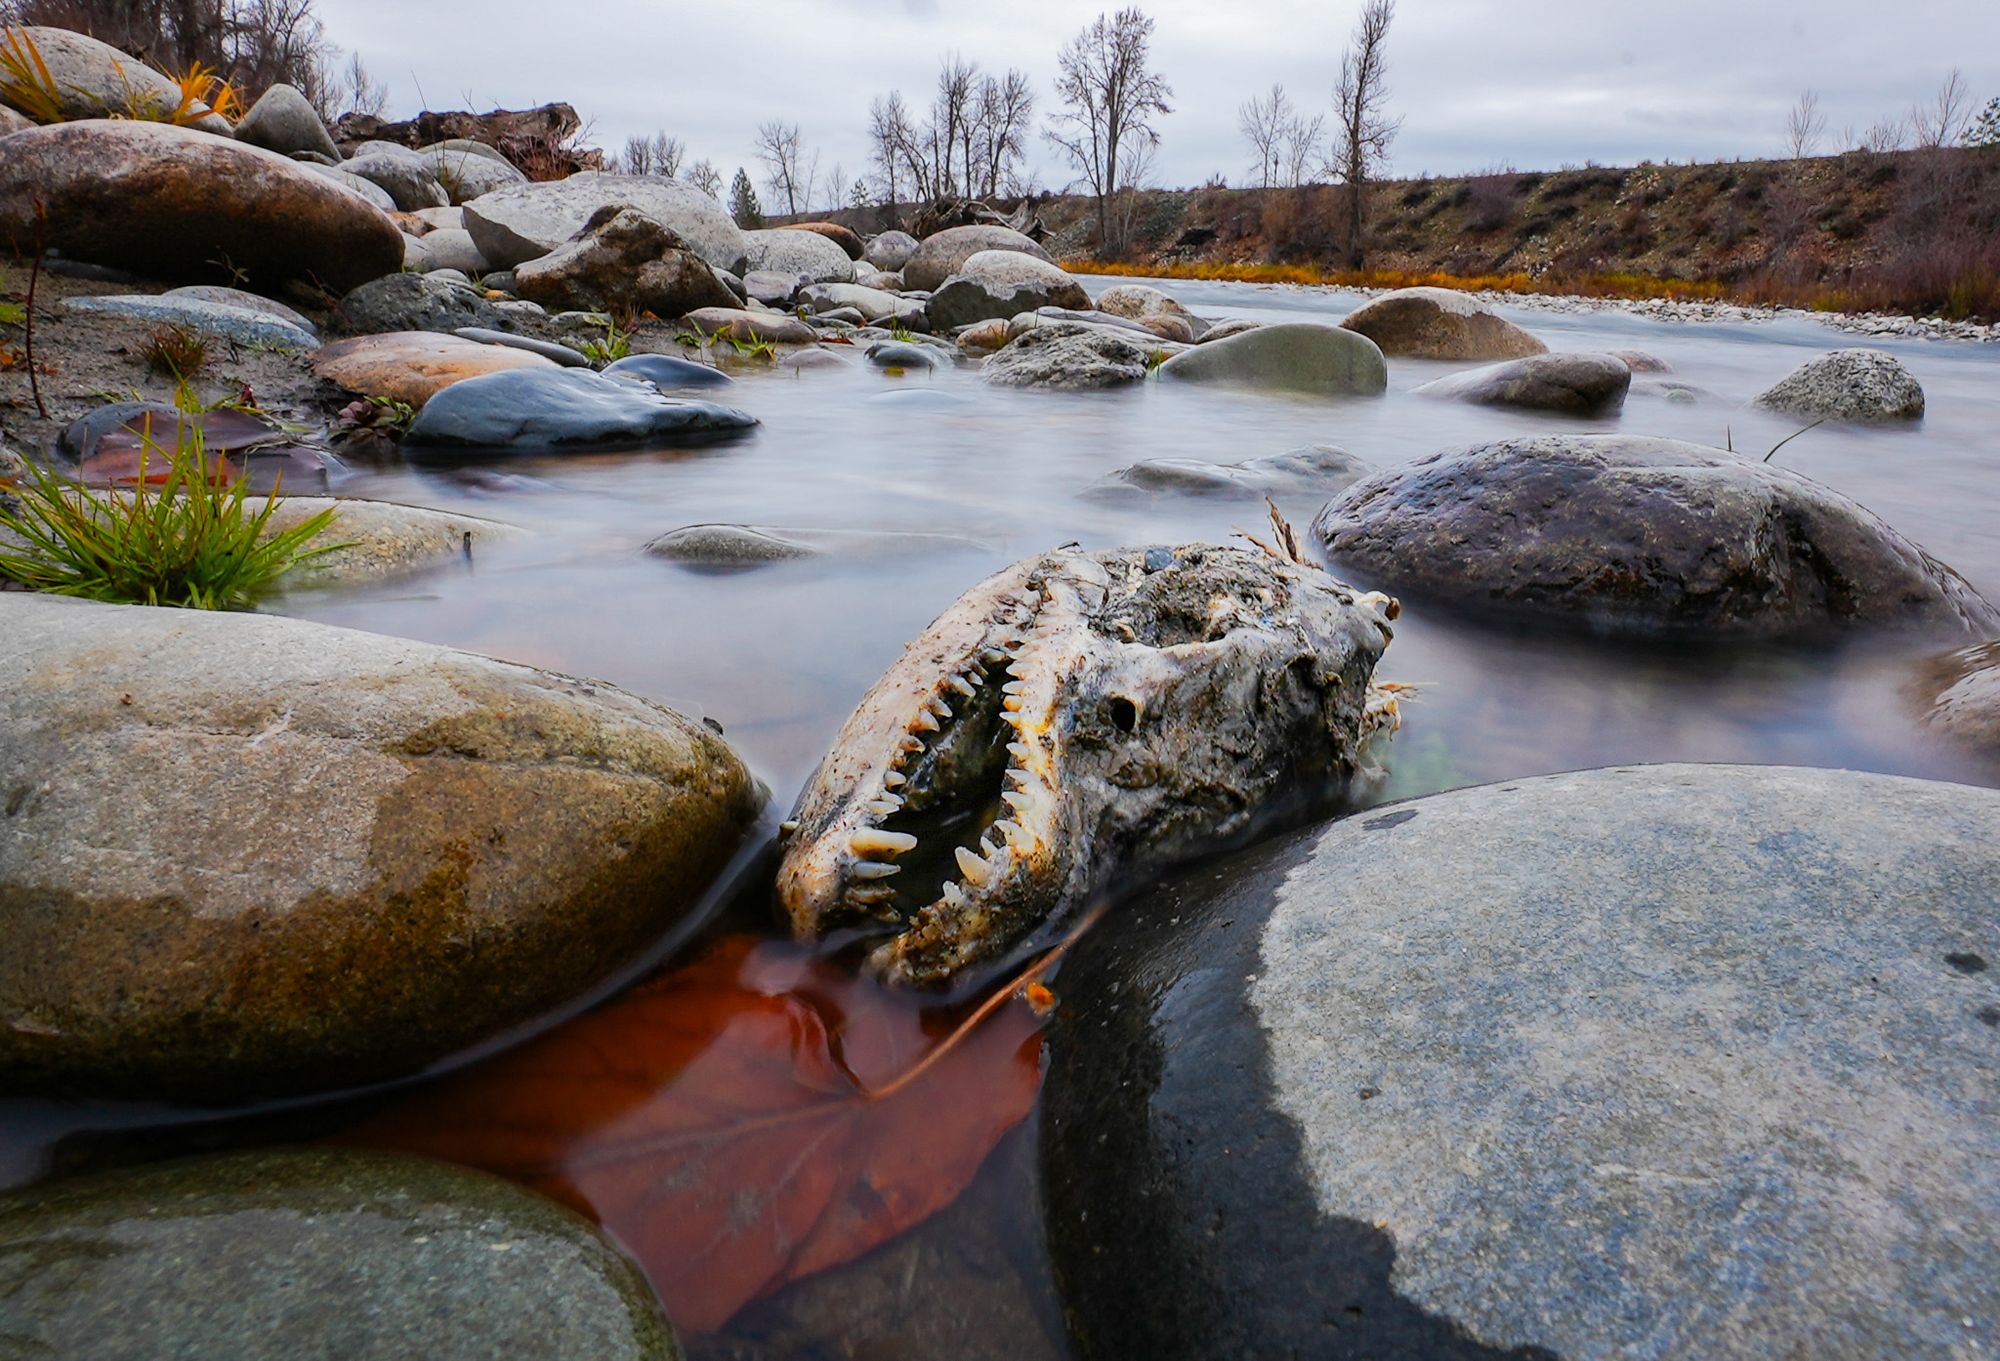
(747, 1120)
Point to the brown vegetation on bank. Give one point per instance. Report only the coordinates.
(1909, 232)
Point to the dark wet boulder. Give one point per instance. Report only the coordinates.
(666, 372)
(250, 855)
(295, 1253)
(995, 284)
(172, 203)
(1633, 535)
(414, 366)
(526, 221)
(1313, 469)
(557, 408)
(623, 257)
(283, 120)
(739, 546)
(1293, 356)
(897, 355)
(1848, 385)
(420, 302)
(1575, 384)
(1403, 1086)
(941, 253)
(1067, 356)
(1439, 323)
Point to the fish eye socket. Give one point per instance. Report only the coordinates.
(1123, 713)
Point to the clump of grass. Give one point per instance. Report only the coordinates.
(898, 331)
(388, 416)
(752, 347)
(25, 81)
(194, 542)
(616, 345)
(199, 92)
(176, 352)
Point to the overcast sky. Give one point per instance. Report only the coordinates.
(1482, 84)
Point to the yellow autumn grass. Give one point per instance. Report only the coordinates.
(1628, 286)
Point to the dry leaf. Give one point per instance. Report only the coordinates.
(747, 1120)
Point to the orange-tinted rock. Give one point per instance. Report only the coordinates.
(412, 366)
(834, 232)
(173, 203)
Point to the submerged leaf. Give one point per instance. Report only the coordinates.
(745, 1121)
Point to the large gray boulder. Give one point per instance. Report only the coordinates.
(315, 1253)
(367, 190)
(1064, 356)
(1142, 302)
(524, 221)
(417, 302)
(178, 204)
(623, 257)
(1575, 384)
(404, 176)
(1439, 323)
(1848, 385)
(284, 120)
(1658, 1061)
(1293, 356)
(1634, 535)
(247, 855)
(995, 284)
(784, 250)
(942, 253)
(548, 408)
(470, 170)
(91, 79)
(872, 303)
(890, 251)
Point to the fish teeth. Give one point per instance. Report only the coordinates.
(973, 866)
(894, 779)
(954, 896)
(881, 808)
(1016, 834)
(910, 746)
(876, 841)
(925, 721)
(1013, 687)
(1020, 751)
(960, 684)
(992, 656)
(939, 707)
(1019, 778)
(1011, 703)
(788, 826)
(1020, 802)
(874, 869)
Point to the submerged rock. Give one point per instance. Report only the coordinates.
(378, 539)
(173, 203)
(896, 355)
(1406, 1086)
(1848, 385)
(1065, 356)
(1319, 361)
(525, 221)
(414, 366)
(942, 253)
(1314, 468)
(1627, 534)
(554, 408)
(249, 855)
(1578, 384)
(667, 373)
(1000, 283)
(1958, 697)
(756, 545)
(317, 1253)
(623, 257)
(1439, 323)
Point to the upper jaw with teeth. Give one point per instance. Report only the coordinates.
(1071, 717)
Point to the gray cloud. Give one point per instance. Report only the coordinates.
(1529, 83)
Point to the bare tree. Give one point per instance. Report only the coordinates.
(836, 183)
(1299, 144)
(704, 176)
(1135, 176)
(1891, 134)
(1000, 116)
(667, 155)
(1264, 122)
(779, 149)
(889, 135)
(1362, 123)
(1805, 125)
(1942, 121)
(1108, 95)
(637, 157)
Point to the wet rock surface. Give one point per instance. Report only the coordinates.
(173, 203)
(730, 546)
(1066, 356)
(1958, 696)
(1402, 1086)
(623, 256)
(1575, 384)
(1439, 323)
(414, 366)
(1628, 534)
(246, 854)
(999, 283)
(420, 302)
(667, 373)
(1848, 385)
(315, 1253)
(547, 407)
(1318, 469)
(379, 539)
(1301, 357)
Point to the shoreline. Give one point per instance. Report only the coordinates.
(1685, 310)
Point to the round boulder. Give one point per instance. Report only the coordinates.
(91, 79)
(943, 253)
(1848, 385)
(404, 176)
(469, 170)
(1142, 302)
(668, 372)
(524, 221)
(1064, 356)
(1634, 535)
(1292, 356)
(248, 855)
(548, 408)
(1576, 384)
(413, 366)
(417, 302)
(1439, 323)
(890, 251)
(1958, 696)
(1659, 1061)
(844, 237)
(284, 121)
(318, 1253)
(623, 257)
(994, 284)
(872, 303)
(180, 204)
(788, 250)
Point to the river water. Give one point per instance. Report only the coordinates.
(779, 654)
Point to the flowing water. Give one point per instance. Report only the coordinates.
(779, 654)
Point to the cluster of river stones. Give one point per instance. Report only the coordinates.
(1699, 1056)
